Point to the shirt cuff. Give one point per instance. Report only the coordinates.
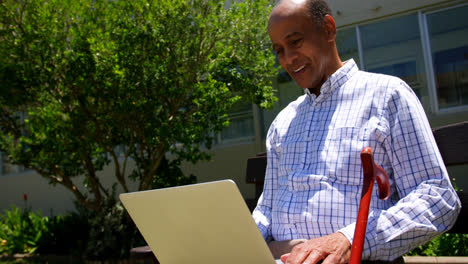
(348, 232)
(263, 224)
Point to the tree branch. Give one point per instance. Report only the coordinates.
(159, 155)
(99, 138)
(66, 182)
(7, 121)
(127, 154)
(95, 184)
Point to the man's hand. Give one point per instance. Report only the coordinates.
(279, 248)
(332, 249)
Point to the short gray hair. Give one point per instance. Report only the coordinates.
(317, 10)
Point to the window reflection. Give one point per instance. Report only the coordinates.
(241, 124)
(394, 47)
(448, 33)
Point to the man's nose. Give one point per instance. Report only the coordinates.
(290, 56)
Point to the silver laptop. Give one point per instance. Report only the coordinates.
(205, 223)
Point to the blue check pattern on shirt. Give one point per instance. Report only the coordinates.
(314, 175)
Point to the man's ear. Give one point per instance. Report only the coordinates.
(329, 27)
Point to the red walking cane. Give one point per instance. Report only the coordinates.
(372, 172)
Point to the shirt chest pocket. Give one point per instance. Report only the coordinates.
(342, 149)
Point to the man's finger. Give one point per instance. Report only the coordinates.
(298, 254)
(305, 254)
(285, 257)
(332, 259)
(313, 258)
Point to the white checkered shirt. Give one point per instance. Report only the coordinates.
(314, 176)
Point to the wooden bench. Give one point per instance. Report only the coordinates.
(452, 141)
(255, 174)
(142, 255)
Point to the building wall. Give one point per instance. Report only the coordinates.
(44, 197)
(41, 196)
(228, 163)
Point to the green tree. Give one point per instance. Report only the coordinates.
(148, 78)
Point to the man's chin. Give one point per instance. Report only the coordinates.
(312, 86)
(303, 84)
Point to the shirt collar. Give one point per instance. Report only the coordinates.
(336, 80)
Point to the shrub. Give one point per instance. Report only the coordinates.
(112, 233)
(26, 232)
(443, 245)
(21, 231)
(67, 235)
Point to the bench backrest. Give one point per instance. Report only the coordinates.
(452, 141)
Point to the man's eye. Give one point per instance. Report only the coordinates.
(278, 51)
(297, 42)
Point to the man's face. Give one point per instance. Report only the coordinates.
(302, 49)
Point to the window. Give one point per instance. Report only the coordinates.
(448, 36)
(394, 47)
(347, 45)
(241, 125)
(7, 168)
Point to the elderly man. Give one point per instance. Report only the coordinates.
(313, 182)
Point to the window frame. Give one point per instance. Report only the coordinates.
(427, 49)
(245, 114)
